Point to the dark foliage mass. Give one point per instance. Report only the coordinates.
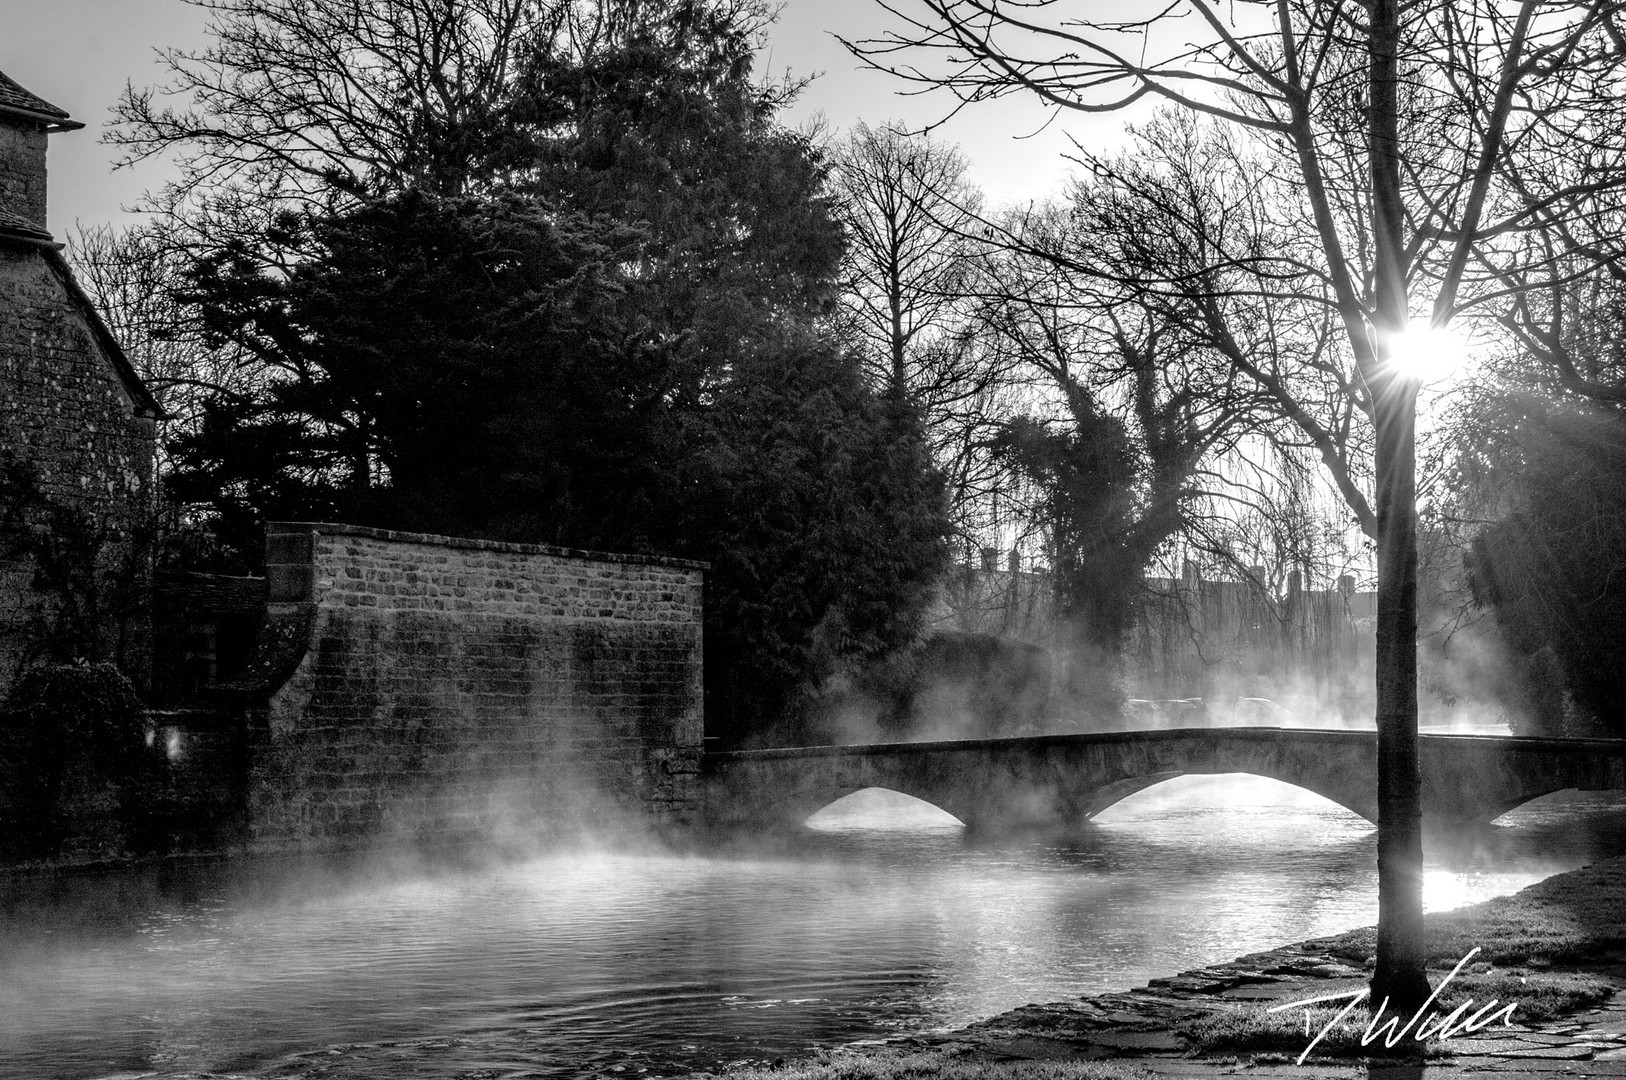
(1087, 480)
(605, 331)
(74, 736)
(1551, 566)
(455, 363)
(86, 569)
(815, 504)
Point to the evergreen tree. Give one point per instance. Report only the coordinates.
(1549, 566)
(609, 338)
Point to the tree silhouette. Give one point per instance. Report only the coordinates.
(1466, 150)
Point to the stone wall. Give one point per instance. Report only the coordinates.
(71, 415)
(22, 171)
(452, 687)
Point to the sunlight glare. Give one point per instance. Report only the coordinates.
(1427, 354)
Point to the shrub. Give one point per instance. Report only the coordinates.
(75, 737)
(80, 708)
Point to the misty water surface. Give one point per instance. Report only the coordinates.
(882, 920)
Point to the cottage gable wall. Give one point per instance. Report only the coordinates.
(77, 432)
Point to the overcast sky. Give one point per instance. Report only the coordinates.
(78, 54)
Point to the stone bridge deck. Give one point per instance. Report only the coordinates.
(1063, 780)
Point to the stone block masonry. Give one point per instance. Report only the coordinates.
(63, 406)
(454, 687)
(22, 171)
(86, 433)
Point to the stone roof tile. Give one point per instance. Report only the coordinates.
(16, 100)
(13, 224)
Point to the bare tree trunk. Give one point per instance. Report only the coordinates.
(900, 341)
(1399, 976)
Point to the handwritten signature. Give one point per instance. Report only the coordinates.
(1454, 1023)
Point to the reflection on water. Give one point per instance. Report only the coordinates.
(882, 920)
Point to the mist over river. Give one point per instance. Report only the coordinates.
(881, 919)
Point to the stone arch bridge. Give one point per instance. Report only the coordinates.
(1060, 781)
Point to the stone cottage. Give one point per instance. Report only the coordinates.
(77, 436)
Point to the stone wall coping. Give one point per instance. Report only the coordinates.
(1025, 742)
(1241, 734)
(328, 528)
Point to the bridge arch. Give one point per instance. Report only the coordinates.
(922, 809)
(790, 804)
(1016, 805)
(1046, 782)
(1064, 801)
(1114, 793)
(1507, 805)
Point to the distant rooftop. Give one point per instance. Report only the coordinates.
(16, 101)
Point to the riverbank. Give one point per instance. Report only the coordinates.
(1555, 950)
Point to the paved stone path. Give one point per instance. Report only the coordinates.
(1138, 1027)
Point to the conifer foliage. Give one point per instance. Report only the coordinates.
(593, 315)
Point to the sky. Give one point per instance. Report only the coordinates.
(78, 55)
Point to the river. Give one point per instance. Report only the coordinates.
(883, 918)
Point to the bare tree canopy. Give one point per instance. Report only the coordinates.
(135, 276)
(297, 100)
(1460, 153)
(909, 213)
(330, 101)
(912, 280)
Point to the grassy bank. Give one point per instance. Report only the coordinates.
(1569, 918)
